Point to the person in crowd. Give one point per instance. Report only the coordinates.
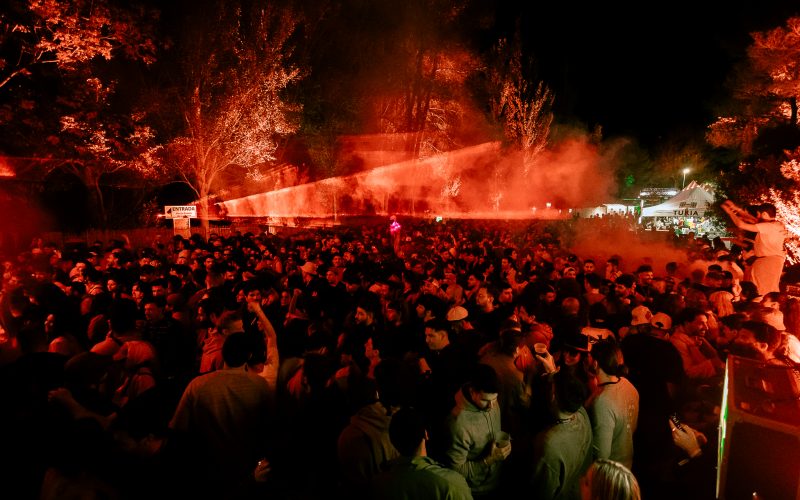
(400, 337)
(645, 291)
(223, 324)
(364, 447)
(140, 366)
(444, 369)
(614, 408)
(474, 427)
(640, 320)
(174, 346)
(609, 480)
(315, 389)
(574, 356)
(563, 451)
(122, 327)
(591, 284)
(513, 391)
(656, 371)
(598, 319)
(768, 248)
(621, 302)
(487, 315)
(761, 341)
(700, 359)
(464, 336)
(474, 282)
(414, 475)
(223, 416)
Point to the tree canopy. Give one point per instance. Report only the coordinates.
(761, 125)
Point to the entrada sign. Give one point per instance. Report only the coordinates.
(180, 211)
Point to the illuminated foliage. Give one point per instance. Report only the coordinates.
(58, 87)
(787, 202)
(424, 95)
(765, 91)
(398, 69)
(525, 110)
(68, 34)
(233, 106)
(763, 126)
(104, 143)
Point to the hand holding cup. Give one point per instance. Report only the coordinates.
(501, 448)
(544, 357)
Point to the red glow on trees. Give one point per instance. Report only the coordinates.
(233, 104)
(764, 128)
(69, 34)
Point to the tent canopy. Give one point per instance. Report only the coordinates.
(692, 201)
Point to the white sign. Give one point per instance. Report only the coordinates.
(182, 227)
(180, 211)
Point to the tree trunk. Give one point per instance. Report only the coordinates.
(202, 211)
(793, 106)
(101, 204)
(97, 207)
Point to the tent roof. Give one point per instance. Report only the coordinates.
(692, 201)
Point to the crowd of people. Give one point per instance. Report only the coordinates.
(447, 360)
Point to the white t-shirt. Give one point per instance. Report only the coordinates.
(769, 239)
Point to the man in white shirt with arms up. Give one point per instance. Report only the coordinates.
(766, 271)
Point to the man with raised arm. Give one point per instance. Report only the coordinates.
(770, 255)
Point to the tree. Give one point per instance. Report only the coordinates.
(525, 110)
(237, 67)
(106, 144)
(59, 90)
(68, 34)
(762, 125)
(397, 69)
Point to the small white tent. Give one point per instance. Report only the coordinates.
(606, 209)
(692, 201)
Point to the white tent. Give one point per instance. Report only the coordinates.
(606, 209)
(692, 201)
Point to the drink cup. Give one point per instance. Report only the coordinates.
(502, 439)
(540, 348)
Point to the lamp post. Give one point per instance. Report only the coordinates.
(685, 171)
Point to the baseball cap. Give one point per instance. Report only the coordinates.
(309, 267)
(661, 320)
(457, 313)
(773, 318)
(641, 315)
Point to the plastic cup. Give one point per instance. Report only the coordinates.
(502, 439)
(540, 348)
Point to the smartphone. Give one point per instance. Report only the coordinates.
(676, 421)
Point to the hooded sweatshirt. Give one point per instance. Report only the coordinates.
(472, 431)
(364, 447)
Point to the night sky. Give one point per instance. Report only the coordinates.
(649, 71)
